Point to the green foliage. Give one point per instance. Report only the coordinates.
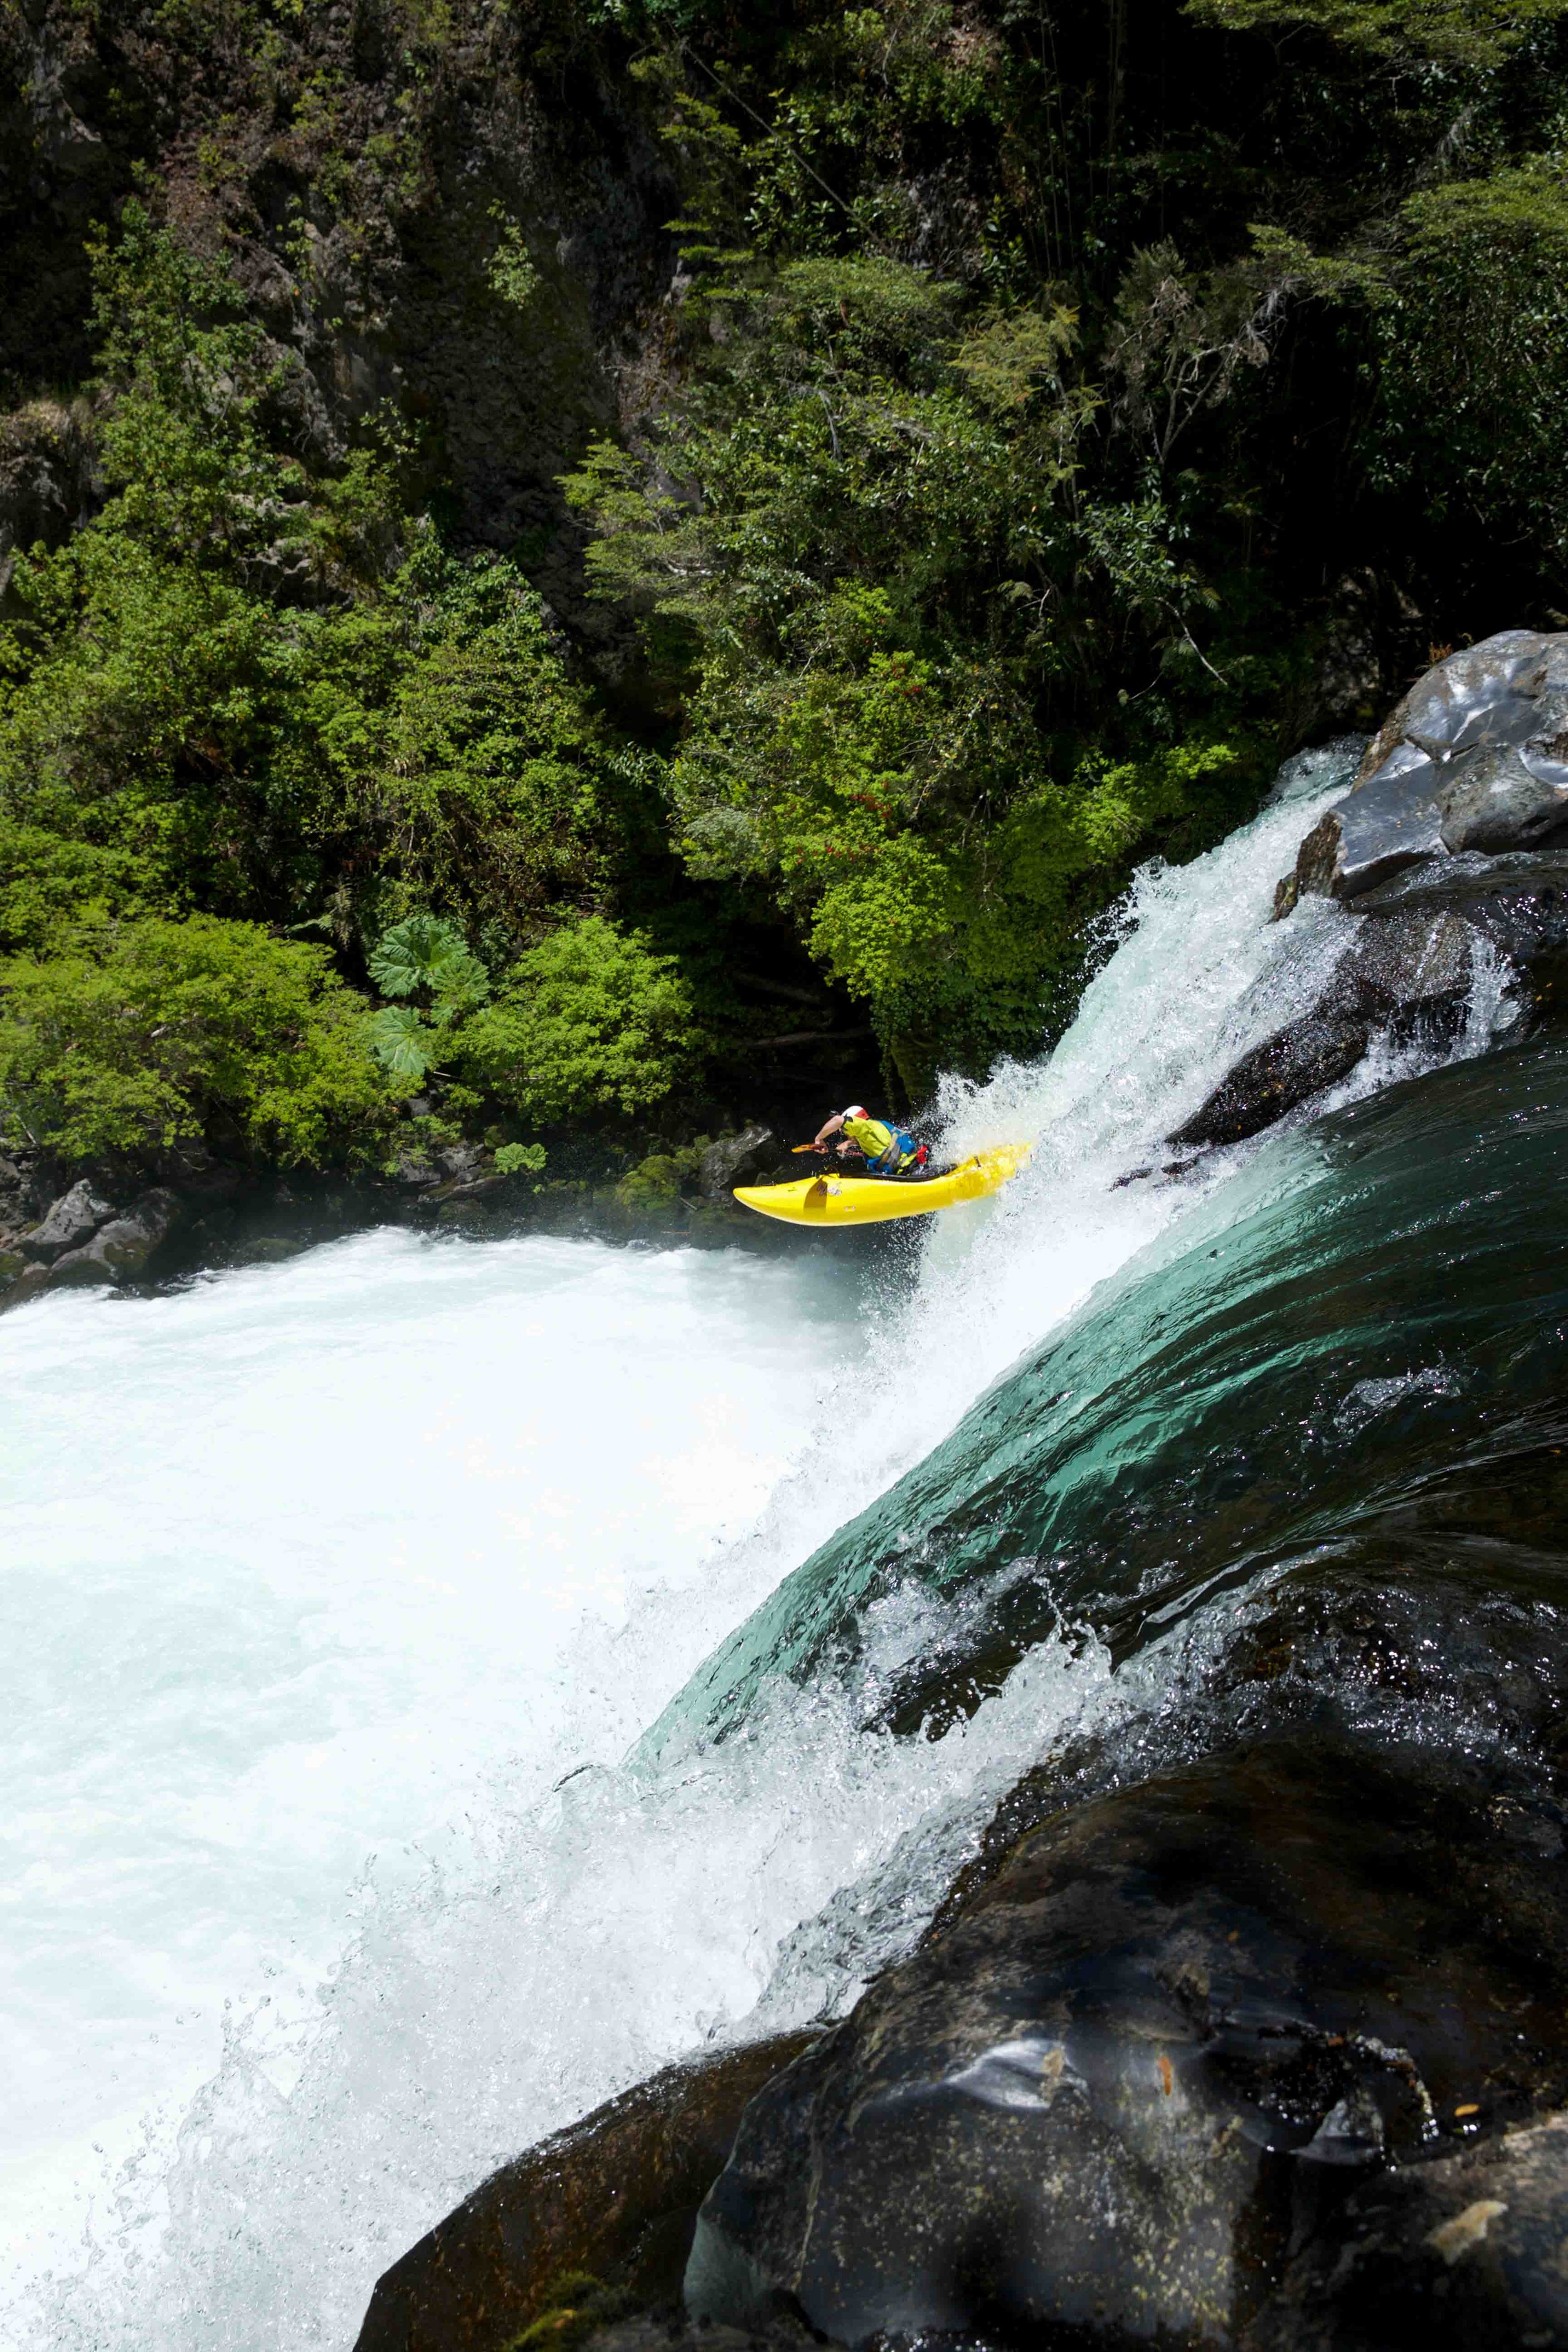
(49, 886)
(144, 1035)
(870, 518)
(520, 1159)
(591, 1021)
(196, 444)
(405, 1043)
(234, 676)
(657, 1182)
(1480, 303)
(1044, 396)
(1476, 35)
(492, 786)
(575, 2304)
(424, 956)
(513, 278)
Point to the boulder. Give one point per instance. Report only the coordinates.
(1153, 2051)
(69, 1223)
(1463, 2254)
(119, 1250)
(1285, 1069)
(1411, 968)
(743, 1158)
(1458, 816)
(616, 2196)
(1474, 759)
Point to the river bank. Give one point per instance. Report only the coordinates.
(100, 1232)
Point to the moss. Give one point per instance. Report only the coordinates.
(663, 1179)
(576, 2303)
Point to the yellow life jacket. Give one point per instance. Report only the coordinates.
(873, 1136)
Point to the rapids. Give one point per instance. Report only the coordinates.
(407, 1546)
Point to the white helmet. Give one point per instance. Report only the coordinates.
(856, 1110)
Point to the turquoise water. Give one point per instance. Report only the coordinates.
(1372, 1313)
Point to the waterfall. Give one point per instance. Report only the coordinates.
(568, 1903)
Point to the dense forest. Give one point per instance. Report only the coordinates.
(569, 562)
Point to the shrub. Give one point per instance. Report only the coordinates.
(590, 1020)
(152, 1032)
(422, 956)
(49, 884)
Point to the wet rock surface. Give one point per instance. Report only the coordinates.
(1407, 974)
(119, 1250)
(71, 1221)
(84, 1241)
(1152, 2052)
(746, 1158)
(1474, 759)
(1464, 2254)
(1449, 850)
(614, 2196)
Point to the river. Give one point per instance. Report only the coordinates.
(342, 1858)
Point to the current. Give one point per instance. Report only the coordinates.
(417, 1720)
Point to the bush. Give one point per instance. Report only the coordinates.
(427, 956)
(48, 884)
(153, 1033)
(590, 1020)
(892, 583)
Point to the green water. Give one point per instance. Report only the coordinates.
(1359, 1340)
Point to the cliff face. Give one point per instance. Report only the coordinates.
(460, 212)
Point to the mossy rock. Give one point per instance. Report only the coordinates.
(578, 2304)
(602, 2214)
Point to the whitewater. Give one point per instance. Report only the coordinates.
(342, 1593)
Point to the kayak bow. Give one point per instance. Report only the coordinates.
(874, 1200)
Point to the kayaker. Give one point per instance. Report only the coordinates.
(887, 1150)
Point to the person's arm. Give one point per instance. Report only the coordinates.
(831, 1128)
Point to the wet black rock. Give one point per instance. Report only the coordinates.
(616, 2196)
(83, 1243)
(1411, 970)
(69, 1222)
(1474, 759)
(119, 1251)
(1444, 846)
(1138, 2066)
(1466, 2254)
(743, 1159)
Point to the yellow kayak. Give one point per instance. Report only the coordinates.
(873, 1200)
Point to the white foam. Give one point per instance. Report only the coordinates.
(289, 1560)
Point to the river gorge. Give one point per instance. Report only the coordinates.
(423, 1727)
